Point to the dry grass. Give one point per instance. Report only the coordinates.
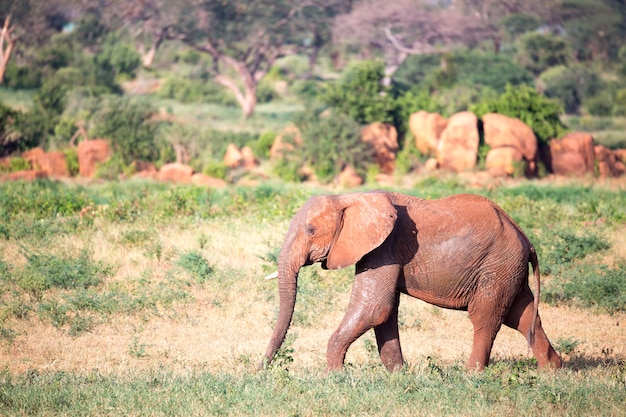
(226, 328)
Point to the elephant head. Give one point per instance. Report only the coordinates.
(334, 230)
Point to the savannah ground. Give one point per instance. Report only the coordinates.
(138, 298)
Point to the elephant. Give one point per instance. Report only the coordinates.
(460, 252)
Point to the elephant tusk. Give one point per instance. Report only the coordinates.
(272, 275)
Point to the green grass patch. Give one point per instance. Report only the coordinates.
(433, 389)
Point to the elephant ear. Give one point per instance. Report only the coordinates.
(368, 218)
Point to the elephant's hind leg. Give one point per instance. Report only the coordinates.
(520, 317)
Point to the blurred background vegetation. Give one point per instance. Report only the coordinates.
(157, 75)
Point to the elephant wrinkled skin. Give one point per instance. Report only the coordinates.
(461, 252)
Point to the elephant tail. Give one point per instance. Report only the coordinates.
(535, 264)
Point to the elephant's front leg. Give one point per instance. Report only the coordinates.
(388, 340)
(373, 303)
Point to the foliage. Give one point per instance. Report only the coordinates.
(331, 141)
(196, 265)
(440, 389)
(44, 271)
(474, 69)
(540, 113)
(121, 57)
(360, 95)
(129, 125)
(195, 90)
(538, 52)
(9, 133)
(599, 287)
(572, 86)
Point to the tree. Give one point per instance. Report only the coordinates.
(29, 23)
(595, 29)
(7, 44)
(404, 27)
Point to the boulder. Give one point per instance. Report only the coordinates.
(427, 129)
(52, 163)
(572, 155)
(206, 181)
(348, 178)
(609, 163)
(175, 172)
(457, 148)
(90, 154)
(27, 175)
(506, 131)
(233, 157)
(285, 143)
(248, 160)
(501, 161)
(383, 138)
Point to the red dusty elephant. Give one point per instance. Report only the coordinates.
(461, 252)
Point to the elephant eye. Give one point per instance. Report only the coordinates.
(310, 229)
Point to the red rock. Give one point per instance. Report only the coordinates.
(501, 131)
(90, 154)
(175, 172)
(349, 178)
(427, 128)
(608, 162)
(501, 161)
(206, 181)
(457, 148)
(572, 155)
(285, 143)
(383, 138)
(233, 157)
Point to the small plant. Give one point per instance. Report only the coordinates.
(284, 355)
(567, 345)
(196, 265)
(136, 349)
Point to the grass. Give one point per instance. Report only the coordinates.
(141, 298)
(432, 389)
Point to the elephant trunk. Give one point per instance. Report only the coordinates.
(287, 287)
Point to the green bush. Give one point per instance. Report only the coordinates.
(262, 145)
(570, 85)
(121, 57)
(43, 271)
(538, 52)
(601, 104)
(360, 95)
(331, 141)
(215, 170)
(540, 113)
(9, 130)
(196, 265)
(598, 287)
(22, 77)
(129, 125)
(619, 106)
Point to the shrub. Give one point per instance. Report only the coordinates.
(597, 286)
(9, 129)
(538, 51)
(196, 265)
(130, 126)
(263, 144)
(570, 85)
(361, 96)
(123, 58)
(331, 142)
(619, 106)
(540, 113)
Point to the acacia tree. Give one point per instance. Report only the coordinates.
(29, 23)
(244, 39)
(404, 27)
